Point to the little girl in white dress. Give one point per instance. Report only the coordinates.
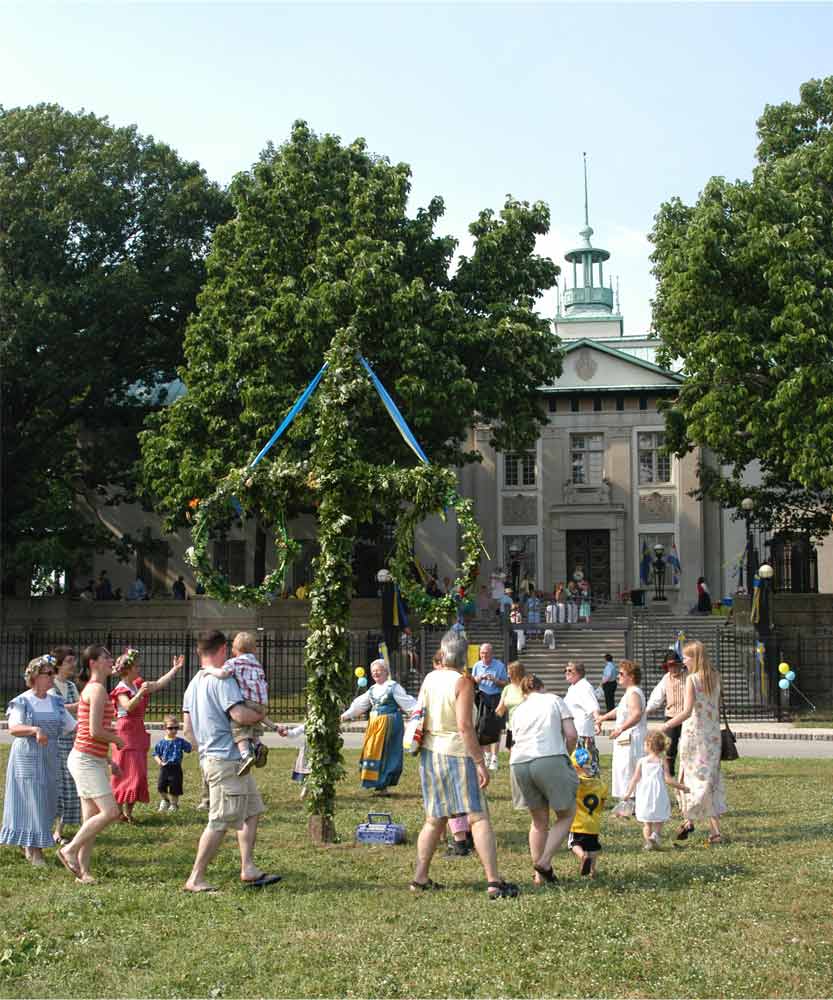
(650, 778)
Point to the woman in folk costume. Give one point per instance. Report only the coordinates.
(381, 760)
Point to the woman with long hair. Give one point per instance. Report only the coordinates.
(700, 744)
(89, 765)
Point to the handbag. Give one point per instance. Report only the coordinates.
(624, 739)
(488, 725)
(728, 743)
(413, 735)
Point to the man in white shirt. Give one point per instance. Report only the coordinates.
(585, 708)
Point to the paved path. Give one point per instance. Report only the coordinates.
(755, 739)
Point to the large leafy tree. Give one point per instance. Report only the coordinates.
(745, 303)
(322, 261)
(103, 235)
(321, 242)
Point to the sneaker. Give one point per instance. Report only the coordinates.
(648, 845)
(203, 805)
(173, 806)
(261, 755)
(493, 763)
(164, 805)
(247, 762)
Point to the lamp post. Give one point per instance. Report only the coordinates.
(659, 572)
(764, 627)
(747, 506)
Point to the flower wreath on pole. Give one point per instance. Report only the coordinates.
(273, 488)
(431, 490)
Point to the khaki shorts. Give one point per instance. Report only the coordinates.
(253, 731)
(90, 774)
(232, 800)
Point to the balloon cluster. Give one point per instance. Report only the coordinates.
(360, 674)
(787, 676)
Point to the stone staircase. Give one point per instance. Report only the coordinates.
(581, 644)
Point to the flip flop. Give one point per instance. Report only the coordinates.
(72, 869)
(259, 883)
(205, 888)
(546, 874)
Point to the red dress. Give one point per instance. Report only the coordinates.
(132, 783)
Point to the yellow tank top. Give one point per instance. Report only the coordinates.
(438, 699)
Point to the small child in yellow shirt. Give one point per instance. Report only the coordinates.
(590, 800)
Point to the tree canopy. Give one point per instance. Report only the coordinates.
(321, 243)
(103, 235)
(745, 303)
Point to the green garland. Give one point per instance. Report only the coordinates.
(273, 488)
(432, 491)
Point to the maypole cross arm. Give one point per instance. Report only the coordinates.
(416, 493)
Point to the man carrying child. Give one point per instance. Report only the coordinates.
(210, 705)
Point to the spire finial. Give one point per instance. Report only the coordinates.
(617, 294)
(586, 213)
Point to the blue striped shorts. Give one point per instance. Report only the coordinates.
(449, 785)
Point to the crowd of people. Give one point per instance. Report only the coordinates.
(61, 772)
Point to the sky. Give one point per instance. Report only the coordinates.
(482, 100)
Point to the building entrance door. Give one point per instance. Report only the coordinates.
(589, 552)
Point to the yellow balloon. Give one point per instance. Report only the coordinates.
(783, 668)
(359, 671)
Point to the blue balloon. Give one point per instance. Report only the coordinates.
(362, 682)
(783, 684)
(790, 675)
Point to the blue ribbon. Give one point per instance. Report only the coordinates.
(300, 403)
(395, 415)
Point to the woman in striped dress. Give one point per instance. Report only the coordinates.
(452, 768)
(37, 720)
(69, 805)
(88, 763)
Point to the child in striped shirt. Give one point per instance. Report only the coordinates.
(251, 678)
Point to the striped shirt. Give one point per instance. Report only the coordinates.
(84, 741)
(250, 677)
(674, 693)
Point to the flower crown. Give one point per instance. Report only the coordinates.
(127, 658)
(35, 666)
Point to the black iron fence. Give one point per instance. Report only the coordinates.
(732, 649)
(281, 653)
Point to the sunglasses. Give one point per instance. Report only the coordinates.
(46, 673)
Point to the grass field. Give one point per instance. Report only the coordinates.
(752, 918)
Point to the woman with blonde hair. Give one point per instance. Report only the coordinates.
(37, 720)
(700, 744)
(628, 735)
(510, 697)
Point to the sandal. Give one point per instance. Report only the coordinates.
(502, 890)
(546, 874)
(686, 828)
(424, 886)
(714, 838)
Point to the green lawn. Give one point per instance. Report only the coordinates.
(750, 919)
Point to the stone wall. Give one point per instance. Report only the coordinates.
(167, 615)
